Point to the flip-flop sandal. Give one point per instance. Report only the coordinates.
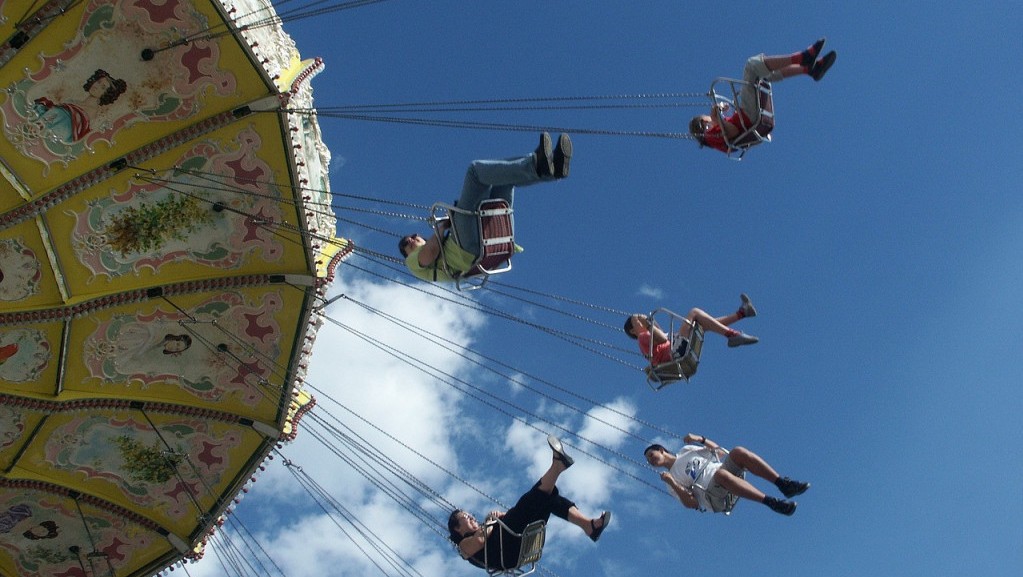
(559, 451)
(606, 518)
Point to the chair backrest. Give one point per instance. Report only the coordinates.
(730, 498)
(679, 368)
(496, 229)
(530, 549)
(533, 537)
(760, 124)
(496, 237)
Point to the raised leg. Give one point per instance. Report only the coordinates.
(753, 463)
(489, 179)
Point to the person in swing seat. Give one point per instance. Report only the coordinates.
(481, 545)
(668, 347)
(715, 130)
(485, 179)
(701, 481)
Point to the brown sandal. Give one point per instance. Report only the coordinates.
(606, 518)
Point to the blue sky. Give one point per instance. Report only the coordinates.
(879, 236)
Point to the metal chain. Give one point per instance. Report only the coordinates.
(512, 127)
(464, 102)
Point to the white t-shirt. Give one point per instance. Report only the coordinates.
(694, 469)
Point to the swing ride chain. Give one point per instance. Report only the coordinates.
(371, 112)
(450, 382)
(568, 314)
(517, 127)
(536, 378)
(372, 253)
(239, 190)
(462, 350)
(701, 95)
(320, 495)
(565, 336)
(478, 393)
(386, 213)
(374, 229)
(295, 229)
(563, 299)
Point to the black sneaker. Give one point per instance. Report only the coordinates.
(544, 156)
(786, 508)
(562, 156)
(810, 54)
(791, 488)
(821, 67)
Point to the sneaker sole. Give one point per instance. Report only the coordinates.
(734, 344)
(748, 310)
(563, 152)
(545, 165)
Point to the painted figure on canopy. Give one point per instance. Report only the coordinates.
(69, 121)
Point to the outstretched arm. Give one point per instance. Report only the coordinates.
(685, 495)
(658, 335)
(431, 250)
(694, 438)
(728, 130)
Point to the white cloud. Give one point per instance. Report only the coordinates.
(649, 291)
(501, 458)
(395, 397)
(609, 425)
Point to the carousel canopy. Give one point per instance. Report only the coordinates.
(159, 265)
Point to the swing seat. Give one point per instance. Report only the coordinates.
(680, 367)
(495, 227)
(760, 125)
(730, 499)
(531, 548)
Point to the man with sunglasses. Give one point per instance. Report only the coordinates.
(484, 180)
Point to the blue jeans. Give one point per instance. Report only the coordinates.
(490, 179)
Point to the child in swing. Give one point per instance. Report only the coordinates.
(716, 129)
(666, 347)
